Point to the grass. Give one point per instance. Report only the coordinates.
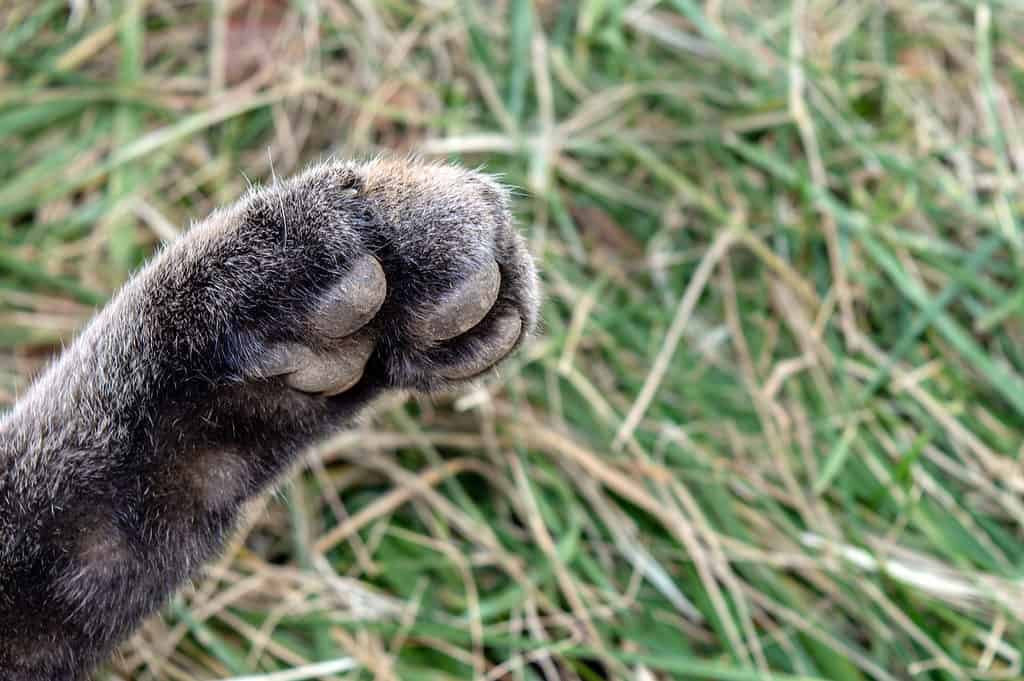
(773, 427)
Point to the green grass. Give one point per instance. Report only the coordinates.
(773, 425)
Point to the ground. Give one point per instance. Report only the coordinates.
(773, 422)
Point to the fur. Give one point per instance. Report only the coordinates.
(124, 466)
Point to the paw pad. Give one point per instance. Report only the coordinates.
(327, 373)
(464, 308)
(500, 341)
(353, 301)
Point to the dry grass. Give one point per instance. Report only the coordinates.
(773, 428)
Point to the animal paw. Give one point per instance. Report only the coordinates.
(443, 290)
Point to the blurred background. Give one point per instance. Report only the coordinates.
(773, 426)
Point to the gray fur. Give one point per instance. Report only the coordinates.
(122, 469)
